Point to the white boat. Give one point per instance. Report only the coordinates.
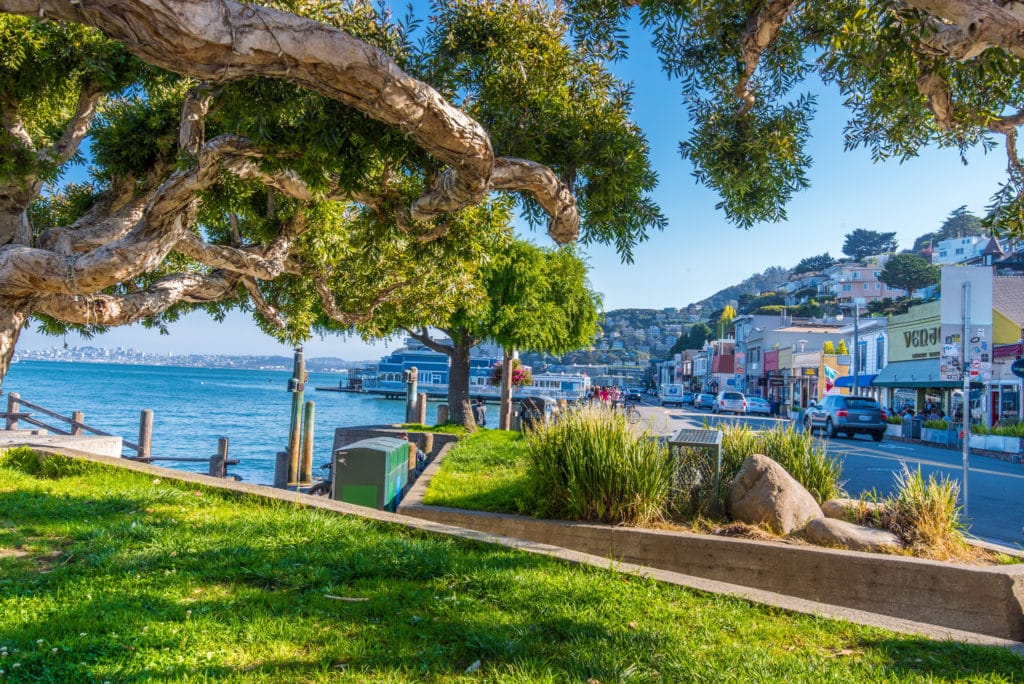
(433, 371)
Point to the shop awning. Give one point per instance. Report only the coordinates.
(916, 373)
(863, 380)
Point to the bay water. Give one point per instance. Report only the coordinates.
(193, 407)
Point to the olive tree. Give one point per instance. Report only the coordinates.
(309, 162)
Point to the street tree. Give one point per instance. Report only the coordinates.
(909, 272)
(814, 264)
(912, 74)
(862, 243)
(521, 296)
(307, 166)
(959, 223)
(694, 338)
(726, 319)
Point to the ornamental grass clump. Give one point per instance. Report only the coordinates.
(926, 516)
(592, 466)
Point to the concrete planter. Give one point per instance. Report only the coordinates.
(893, 430)
(934, 435)
(1009, 445)
(909, 588)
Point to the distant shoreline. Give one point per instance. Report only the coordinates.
(246, 363)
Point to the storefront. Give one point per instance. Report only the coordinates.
(915, 344)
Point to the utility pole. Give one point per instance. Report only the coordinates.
(965, 366)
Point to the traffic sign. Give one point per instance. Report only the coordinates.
(1017, 368)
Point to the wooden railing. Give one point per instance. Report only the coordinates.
(76, 427)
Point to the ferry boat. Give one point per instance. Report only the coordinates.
(432, 378)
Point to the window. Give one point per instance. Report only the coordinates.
(862, 354)
(879, 353)
(942, 253)
(856, 275)
(867, 286)
(847, 287)
(959, 250)
(878, 286)
(876, 274)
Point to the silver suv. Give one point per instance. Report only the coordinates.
(729, 401)
(838, 415)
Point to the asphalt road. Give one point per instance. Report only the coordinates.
(995, 494)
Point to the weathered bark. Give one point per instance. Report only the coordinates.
(460, 406)
(111, 310)
(980, 24)
(460, 403)
(762, 29)
(505, 408)
(13, 314)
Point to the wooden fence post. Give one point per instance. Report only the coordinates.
(12, 410)
(145, 433)
(281, 465)
(77, 420)
(219, 461)
(306, 460)
(421, 409)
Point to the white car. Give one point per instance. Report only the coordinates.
(730, 401)
(759, 406)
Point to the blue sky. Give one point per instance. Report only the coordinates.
(699, 253)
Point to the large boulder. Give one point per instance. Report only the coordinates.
(834, 532)
(850, 509)
(763, 492)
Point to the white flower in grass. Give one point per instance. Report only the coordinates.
(53, 650)
(82, 635)
(39, 642)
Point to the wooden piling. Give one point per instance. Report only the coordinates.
(145, 433)
(77, 420)
(421, 409)
(442, 414)
(281, 469)
(219, 461)
(306, 462)
(296, 385)
(12, 410)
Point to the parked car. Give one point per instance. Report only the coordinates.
(632, 395)
(839, 415)
(730, 401)
(688, 397)
(703, 400)
(759, 406)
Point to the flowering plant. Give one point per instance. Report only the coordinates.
(520, 375)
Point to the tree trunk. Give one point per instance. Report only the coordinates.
(505, 410)
(13, 314)
(460, 407)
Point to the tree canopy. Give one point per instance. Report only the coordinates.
(912, 74)
(693, 338)
(814, 264)
(862, 243)
(959, 223)
(909, 272)
(308, 162)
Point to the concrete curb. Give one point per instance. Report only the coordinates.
(764, 597)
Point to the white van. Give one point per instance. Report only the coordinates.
(671, 394)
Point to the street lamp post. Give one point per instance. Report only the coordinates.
(856, 349)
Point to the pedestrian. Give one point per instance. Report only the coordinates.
(480, 412)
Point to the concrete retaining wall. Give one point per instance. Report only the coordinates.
(987, 600)
(101, 446)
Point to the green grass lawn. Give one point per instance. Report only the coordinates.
(109, 575)
(483, 472)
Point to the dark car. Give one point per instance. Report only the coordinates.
(839, 415)
(632, 395)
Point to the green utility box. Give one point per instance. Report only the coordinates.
(371, 472)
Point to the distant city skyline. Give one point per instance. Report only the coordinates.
(699, 253)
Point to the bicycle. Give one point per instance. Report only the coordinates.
(632, 413)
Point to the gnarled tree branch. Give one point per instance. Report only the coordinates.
(762, 28)
(979, 24)
(110, 310)
(544, 185)
(334, 311)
